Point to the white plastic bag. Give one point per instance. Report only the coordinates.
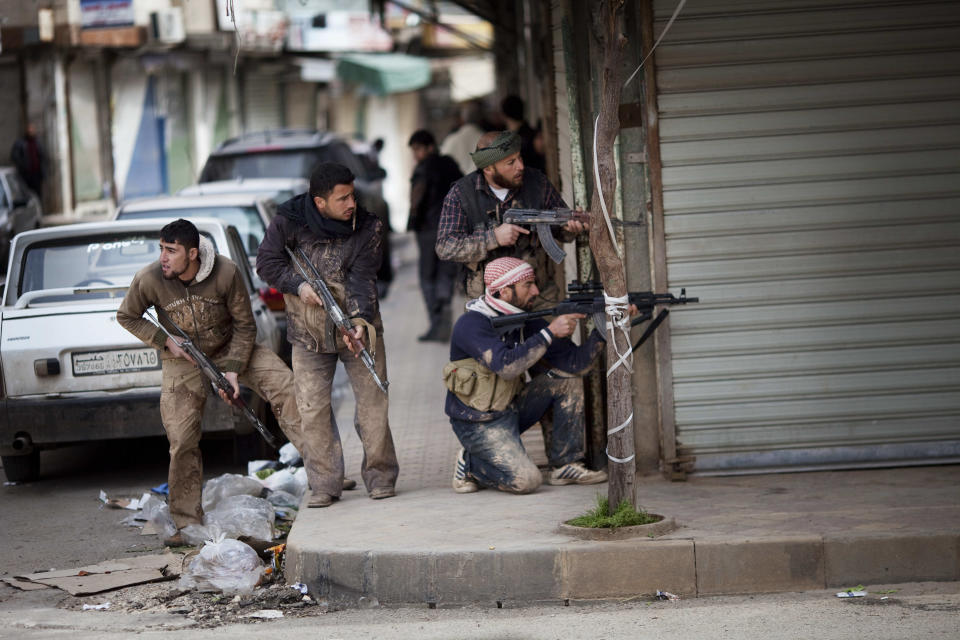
(223, 565)
(229, 484)
(283, 499)
(243, 516)
(289, 455)
(197, 534)
(149, 507)
(282, 480)
(162, 522)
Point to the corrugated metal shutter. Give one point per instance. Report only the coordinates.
(262, 104)
(811, 155)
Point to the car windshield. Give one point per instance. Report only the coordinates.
(281, 163)
(111, 259)
(246, 219)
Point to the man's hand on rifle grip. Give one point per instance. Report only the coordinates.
(563, 326)
(578, 225)
(231, 377)
(174, 347)
(507, 234)
(308, 295)
(354, 340)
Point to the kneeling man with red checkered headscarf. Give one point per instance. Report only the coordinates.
(489, 401)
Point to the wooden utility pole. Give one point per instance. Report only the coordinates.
(620, 448)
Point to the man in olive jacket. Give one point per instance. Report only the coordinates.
(204, 294)
(345, 243)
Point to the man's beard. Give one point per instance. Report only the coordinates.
(503, 183)
(172, 275)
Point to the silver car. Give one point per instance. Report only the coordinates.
(71, 373)
(279, 189)
(19, 209)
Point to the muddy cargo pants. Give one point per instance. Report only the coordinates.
(183, 396)
(493, 451)
(314, 381)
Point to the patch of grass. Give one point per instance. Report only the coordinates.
(624, 516)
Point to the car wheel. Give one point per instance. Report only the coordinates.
(23, 468)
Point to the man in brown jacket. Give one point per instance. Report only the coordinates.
(204, 294)
(345, 243)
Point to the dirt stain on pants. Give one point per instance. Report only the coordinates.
(314, 382)
(182, 399)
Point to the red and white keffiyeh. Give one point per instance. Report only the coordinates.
(502, 273)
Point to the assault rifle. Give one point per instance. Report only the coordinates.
(336, 313)
(587, 298)
(217, 380)
(543, 220)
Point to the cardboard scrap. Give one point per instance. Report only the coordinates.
(25, 585)
(133, 504)
(109, 575)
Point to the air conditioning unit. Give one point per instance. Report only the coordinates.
(166, 25)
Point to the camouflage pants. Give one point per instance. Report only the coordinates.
(314, 381)
(183, 396)
(493, 451)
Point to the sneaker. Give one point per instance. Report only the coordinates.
(379, 493)
(575, 473)
(461, 482)
(319, 500)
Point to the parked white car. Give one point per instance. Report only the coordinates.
(279, 189)
(71, 373)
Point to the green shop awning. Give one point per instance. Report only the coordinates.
(384, 73)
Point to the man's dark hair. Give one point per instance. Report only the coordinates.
(423, 138)
(182, 232)
(326, 176)
(512, 107)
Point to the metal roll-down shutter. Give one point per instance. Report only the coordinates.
(811, 196)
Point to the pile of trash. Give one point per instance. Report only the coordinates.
(243, 516)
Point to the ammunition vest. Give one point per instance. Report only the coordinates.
(478, 387)
(483, 211)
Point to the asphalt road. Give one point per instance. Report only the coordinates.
(915, 611)
(59, 522)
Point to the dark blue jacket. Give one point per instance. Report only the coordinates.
(531, 347)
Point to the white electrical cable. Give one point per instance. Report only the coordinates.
(618, 319)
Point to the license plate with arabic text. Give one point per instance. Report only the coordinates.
(99, 363)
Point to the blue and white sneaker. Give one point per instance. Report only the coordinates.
(462, 483)
(575, 473)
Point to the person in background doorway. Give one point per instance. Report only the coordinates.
(28, 157)
(512, 109)
(431, 180)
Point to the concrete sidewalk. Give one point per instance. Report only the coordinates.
(745, 534)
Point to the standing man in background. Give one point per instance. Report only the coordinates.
(431, 180)
(28, 157)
